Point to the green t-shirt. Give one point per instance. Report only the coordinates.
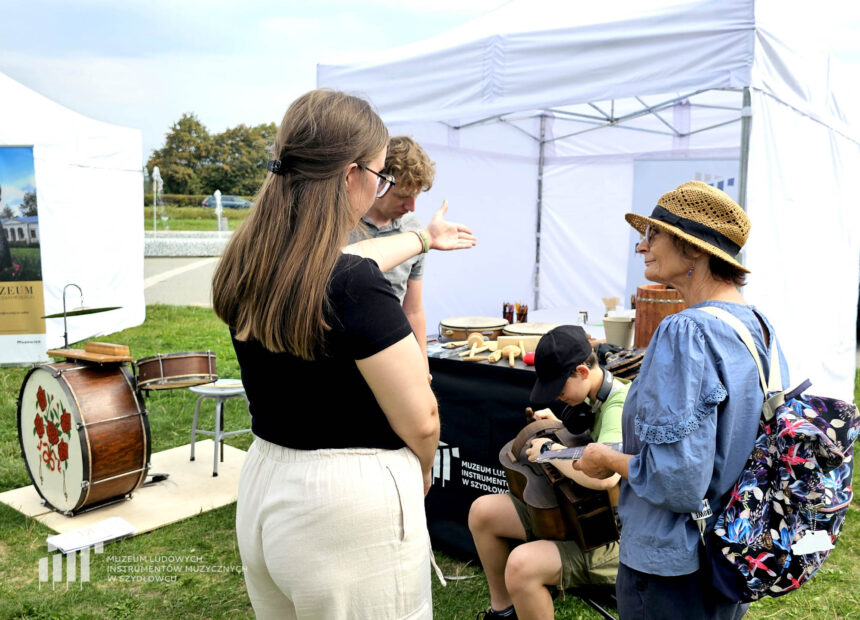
(607, 422)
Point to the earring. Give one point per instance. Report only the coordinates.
(690, 272)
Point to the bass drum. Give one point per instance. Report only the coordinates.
(84, 434)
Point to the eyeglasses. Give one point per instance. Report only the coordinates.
(647, 237)
(650, 233)
(384, 182)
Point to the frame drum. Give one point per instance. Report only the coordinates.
(459, 327)
(84, 434)
(168, 371)
(528, 329)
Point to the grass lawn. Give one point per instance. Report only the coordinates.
(192, 218)
(210, 537)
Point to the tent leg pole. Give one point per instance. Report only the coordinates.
(539, 208)
(746, 119)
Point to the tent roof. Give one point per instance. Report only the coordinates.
(63, 134)
(538, 54)
(531, 54)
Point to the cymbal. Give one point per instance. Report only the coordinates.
(79, 311)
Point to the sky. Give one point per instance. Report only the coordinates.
(144, 64)
(16, 175)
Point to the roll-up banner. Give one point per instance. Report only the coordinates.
(22, 304)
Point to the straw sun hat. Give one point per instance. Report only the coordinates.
(701, 215)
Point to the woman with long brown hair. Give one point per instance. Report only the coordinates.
(330, 517)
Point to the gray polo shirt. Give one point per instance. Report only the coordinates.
(411, 269)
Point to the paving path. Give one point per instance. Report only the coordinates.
(178, 281)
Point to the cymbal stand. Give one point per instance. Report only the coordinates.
(65, 328)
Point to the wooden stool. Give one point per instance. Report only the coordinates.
(221, 391)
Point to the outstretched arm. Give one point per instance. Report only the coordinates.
(390, 251)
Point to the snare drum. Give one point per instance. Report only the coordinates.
(84, 434)
(459, 327)
(168, 371)
(528, 329)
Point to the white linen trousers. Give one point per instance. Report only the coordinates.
(334, 534)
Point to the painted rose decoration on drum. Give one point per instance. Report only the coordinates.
(52, 428)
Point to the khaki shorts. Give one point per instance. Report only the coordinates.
(596, 567)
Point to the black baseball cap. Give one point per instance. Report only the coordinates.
(558, 353)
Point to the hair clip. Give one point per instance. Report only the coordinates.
(274, 166)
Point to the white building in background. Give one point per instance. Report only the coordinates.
(21, 229)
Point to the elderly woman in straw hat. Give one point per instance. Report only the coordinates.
(691, 416)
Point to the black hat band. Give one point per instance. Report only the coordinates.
(697, 230)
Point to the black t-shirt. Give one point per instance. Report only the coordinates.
(325, 403)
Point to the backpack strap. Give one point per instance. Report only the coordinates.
(774, 382)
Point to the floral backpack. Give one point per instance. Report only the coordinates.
(780, 520)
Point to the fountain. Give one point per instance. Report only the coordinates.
(157, 186)
(218, 211)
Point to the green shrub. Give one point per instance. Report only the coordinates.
(175, 200)
(179, 200)
(182, 212)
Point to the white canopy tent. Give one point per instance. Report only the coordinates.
(89, 189)
(548, 120)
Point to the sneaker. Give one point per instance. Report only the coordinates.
(492, 614)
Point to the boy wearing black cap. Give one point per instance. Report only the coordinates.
(567, 370)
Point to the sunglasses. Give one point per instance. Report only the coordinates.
(384, 182)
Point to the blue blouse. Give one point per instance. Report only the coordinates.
(690, 420)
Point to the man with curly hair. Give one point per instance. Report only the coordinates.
(393, 213)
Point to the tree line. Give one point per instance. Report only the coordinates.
(193, 161)
(28, 207)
